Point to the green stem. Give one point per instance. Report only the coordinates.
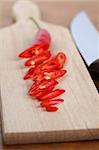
(38, 26)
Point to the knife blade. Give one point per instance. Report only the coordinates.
(86, 38)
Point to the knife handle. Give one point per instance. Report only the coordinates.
(94, 72)
(94, 68)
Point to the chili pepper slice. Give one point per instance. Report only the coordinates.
(29, 74)
(32, 51)
(49, 75)
(44, 91)
(51, 109)
(38, 59)
(52, 94)
(38, 78)
(61, 58)
(42, 87)
(51, 102)
(55, 74)
(55, 63)
(34, 87)
(40, 94)
(48, 66)
(42, 43)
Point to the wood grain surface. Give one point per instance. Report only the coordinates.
(73, 6)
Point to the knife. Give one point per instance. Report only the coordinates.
(86, 38)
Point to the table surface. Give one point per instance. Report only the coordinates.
(66, 11)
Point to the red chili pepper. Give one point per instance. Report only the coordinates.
(41, 44)
(55, 74)
(52, 94)
(38, 59)
(29, 74)
(49, 75)
(38, 78)
(49, 65)
(51, 102)
(39, 95)
(61, 58)
(51, 109)
(43, 36)
(54, 63)
(34, 87)
(46, 66)
(47, 89)
(44, 71)
(42, 87)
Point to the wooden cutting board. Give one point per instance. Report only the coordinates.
(23, 121)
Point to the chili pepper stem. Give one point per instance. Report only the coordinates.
(38, 26)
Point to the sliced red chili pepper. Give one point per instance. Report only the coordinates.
(55, 74)
(38, 78)
(44, 91)
(34, 87)
(44, 72)
(61, 58)
(51, 109)
(42, 43)
(49, 75)
(38, 59)
(51, 102)
(42, 87)
(54, 63)
(32, 51)
(48, 66)
(40, 94)
(29, 74)
(52, 94)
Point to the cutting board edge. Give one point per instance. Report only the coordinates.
(40, 137)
